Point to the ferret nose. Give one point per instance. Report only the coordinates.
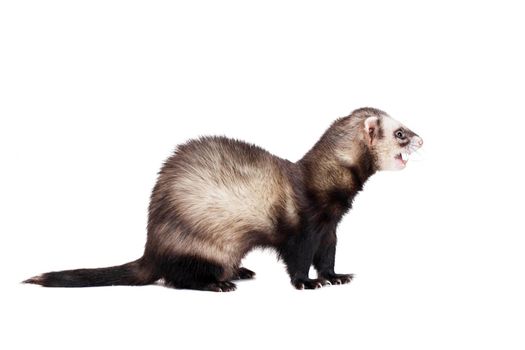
(419, 141)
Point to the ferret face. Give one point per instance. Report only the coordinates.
(390, 141)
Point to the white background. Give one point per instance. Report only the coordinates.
(95, 95)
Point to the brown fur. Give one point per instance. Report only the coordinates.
(226, 196)
(217, 198)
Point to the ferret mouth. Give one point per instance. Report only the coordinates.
(402, 158)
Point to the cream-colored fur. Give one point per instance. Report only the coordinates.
(224, 201)
(388, 147)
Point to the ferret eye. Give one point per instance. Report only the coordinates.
(400, 134)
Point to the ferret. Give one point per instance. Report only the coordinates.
(216, 199)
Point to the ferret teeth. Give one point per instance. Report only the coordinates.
(404, 156)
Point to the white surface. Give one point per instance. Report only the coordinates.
(95, 95)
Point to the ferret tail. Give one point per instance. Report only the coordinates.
(134, 273)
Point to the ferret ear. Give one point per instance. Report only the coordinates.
(371, 128)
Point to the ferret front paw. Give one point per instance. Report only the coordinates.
(338, 278)
(308, 283)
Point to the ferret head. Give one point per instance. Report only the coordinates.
(389, 141)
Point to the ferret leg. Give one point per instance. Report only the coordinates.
(298, 253)
(324, 261)
(189, 272)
